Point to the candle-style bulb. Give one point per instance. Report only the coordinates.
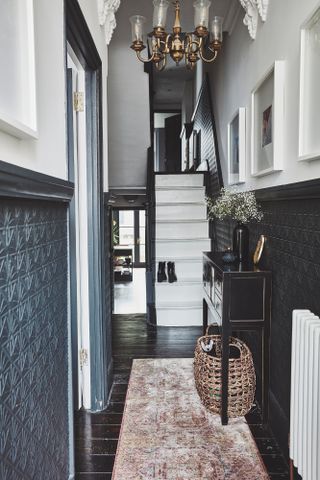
(201, 13)
(137, 27)
(216, 30)
(160, 13)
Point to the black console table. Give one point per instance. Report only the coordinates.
(239, 298)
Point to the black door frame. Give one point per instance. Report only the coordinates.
(78, 36)
(136, 227)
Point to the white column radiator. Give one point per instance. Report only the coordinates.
(305, 394)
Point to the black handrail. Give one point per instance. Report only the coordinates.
(150, 239)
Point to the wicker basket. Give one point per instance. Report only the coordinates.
(208, 376)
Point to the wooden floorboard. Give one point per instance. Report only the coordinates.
(97, 433)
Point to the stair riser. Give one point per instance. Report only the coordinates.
(181, 212)
(182, 249)
(187, 270)
(180, 196)
(182, 230)
(179, 318)
(179, 180)
(174, 292)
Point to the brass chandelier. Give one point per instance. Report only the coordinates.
(200, 44)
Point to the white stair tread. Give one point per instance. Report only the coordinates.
(174, 204)
(160, 188)
(185, 220)
(180, 259)
(181, 240)
(179, 305)
(179, 283)
(180, 179)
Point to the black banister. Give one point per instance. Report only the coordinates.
(150, 237)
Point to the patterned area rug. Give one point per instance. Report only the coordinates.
(167, 434)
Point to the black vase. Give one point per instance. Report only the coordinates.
(241, 242)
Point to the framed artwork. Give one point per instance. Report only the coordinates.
(237, 148)
(267, 122)
(18, 113)
(309, 139)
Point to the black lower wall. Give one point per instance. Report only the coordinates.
(293, 254)
(108, 289)
(33, 340)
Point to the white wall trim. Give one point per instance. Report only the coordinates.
(254, 9)
(107, 19)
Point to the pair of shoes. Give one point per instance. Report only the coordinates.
(162, 277)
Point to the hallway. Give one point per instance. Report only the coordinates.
(97, 434)
(130, 297)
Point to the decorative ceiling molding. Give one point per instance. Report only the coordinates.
(107, 18)
(263, 9)
(254, 9)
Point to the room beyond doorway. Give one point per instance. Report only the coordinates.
(129, 262)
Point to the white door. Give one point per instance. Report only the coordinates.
(79, 228)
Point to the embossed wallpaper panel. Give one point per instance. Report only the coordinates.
(33, 340)
(208, 148)
(292, 253)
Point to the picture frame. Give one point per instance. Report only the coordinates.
(18, 109)
(267, 122)
(309, 102)
(259, 249)
(237, 147)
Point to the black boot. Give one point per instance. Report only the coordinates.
(171, 272)
(162, 277)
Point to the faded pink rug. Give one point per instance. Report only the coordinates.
(167, 434)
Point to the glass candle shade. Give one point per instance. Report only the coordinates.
(216, 30)
(201, 13)
(137, 25)
(160, 13)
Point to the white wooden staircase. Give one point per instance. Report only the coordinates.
(181, 237)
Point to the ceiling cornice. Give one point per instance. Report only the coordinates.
(107, 18)
(254, 9)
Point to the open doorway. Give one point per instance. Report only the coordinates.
(129, 261)
(167, 145)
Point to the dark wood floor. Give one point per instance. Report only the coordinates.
(97, 434)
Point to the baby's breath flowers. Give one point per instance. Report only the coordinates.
(239, 206)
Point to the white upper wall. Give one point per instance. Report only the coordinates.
(128, 107)
(48, 153)
(242, 64)
(90, 12)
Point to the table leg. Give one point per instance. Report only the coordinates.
(265, 348)
(224, 379)
(204, 316)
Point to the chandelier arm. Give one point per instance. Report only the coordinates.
(164, 62)
(145, 60)
(208, 60)
(165, 43)
(191, 42)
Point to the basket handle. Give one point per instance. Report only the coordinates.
(211, 325)
(237, 345)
